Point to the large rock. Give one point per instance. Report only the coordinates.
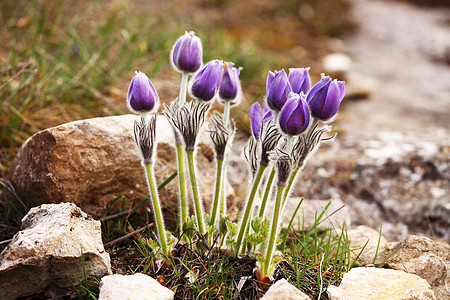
(283, 290)
(365, 243)
(91, 162)
(380, 284)
(424, 257)
(133, 287)
(47, 254)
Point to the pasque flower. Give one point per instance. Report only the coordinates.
(187, 53)
(230, 86)
(325, 97)
(299, 80)
(142, 95)
(277, 89)
(294, 116)
(258, 118)
(206, 82)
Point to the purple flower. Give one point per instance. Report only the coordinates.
(142, 96)
(299, 80)
(187, 53)
(277, 89)
(294, 116)
(230, 87)
(258, 118)
(206, 82)
(325, 97)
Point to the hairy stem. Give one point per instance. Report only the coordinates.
(182, 185)
(156, 208)
(183, 88)
(273, 232)
(217, 192)
(289, 185)
(195, 191)
(267, 190)
(248, 207)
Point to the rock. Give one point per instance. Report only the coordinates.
(283, 290)
(379, 284)
(363, 236)
(424, 257)
(336, 62)
(48, 251)
(310, 209)
(137, 286)
(91, 162)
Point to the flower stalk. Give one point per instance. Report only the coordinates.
(195, 191)
(248, 207)
(156, 208)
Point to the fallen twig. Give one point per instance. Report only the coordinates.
(113, 242)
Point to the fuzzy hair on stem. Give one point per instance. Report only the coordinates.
(284, 165)
(144, 136)
(269, 140)
(307, 143)
(187, 119)
(220, 135)
(251, 155)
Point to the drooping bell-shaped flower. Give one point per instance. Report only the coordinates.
(142, 96)
(187, 53)
(325, 98)
(299, 80)
(294, 116)
(230, 86)
(258, 118)
(277, 89)
(206, 82)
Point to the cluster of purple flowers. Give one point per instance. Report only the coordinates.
(292, 112)
(292, 99)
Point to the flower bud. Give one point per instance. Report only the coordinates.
(294, 116)
(142, 96)
(258, 118)
(206, 82)
(325, 97)
(277, 89)
(299, 80)
(230, 86)
(187, 53)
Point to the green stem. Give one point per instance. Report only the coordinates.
(183, 88)
(267, 190)
(156, 208)
(273, 231)
(182, 185)
(217, 192)
(195, 191)
(226, 120)
(289, 185)
(248, 207)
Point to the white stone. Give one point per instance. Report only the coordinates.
(283, 290)
(48, 251)
(337, 62)
(380, 284)
(363, 236)
(133, 287)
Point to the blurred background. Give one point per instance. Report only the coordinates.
(67, 60)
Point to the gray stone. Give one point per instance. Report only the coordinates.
(380, 284)
(46, 254)
(133, 287)
(283, 290)
(424, 257)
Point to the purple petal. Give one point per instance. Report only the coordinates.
(255, 120)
